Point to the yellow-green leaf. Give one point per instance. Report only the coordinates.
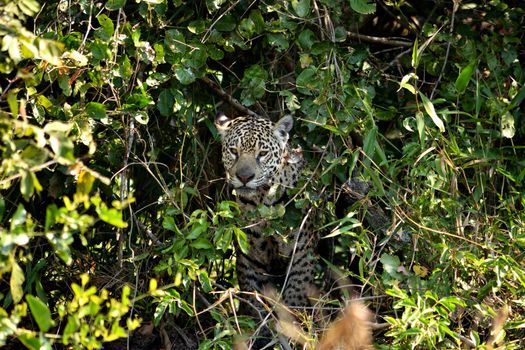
(40, 312)
(429, 108)
(16, 281)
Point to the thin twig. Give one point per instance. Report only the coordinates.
(451, 31)
(227, 97)
(379, 40)
(88, 25)
(124, 183)
(33, 169)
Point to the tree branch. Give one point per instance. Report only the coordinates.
(227, 97)
(379, 40)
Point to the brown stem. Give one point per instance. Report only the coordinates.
(379, 40)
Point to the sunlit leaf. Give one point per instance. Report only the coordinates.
(112, 216)
(420, 123)
(29, 7)
(16, 281)
(18, 218)
(12, 101)
(105, 32)
(429, 108)
(31, 341)
(40, 312)
(27, 187)
(141, 117)
(420, 271)
(507, 125)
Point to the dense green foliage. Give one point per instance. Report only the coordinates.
(113, 209)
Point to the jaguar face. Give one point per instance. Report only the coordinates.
(252, 150)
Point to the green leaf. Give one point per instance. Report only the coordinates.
(242, 240)
(112, 216)
(107, 28)
(113, 5)
(44, 102)
(169, 224)
(2, 208)
(62, 146)
(40, 312)
(340, 34)
(18, 218)
(63, 82)
(254, 84)
(124, 68)
(13, 47)
(184, 75)
(31, 341)
(61, 245)
(201, 243)
(197, 26)
(159, 312)
(28, 7)
(278, 40)
(369, 143)
(420, 122)
(214, 5)
(226, 23)
(215, 53)
(205, 282)
(247, 28)
(165, 103)
(405, 83)
(301, 7)
(16, 281)
(27, 187)
(197, 230)
(464, 77)
(306, 39)
(99, 51)
(390, 265)
(307, 81)
(12, 101)
(363, 7)
(429, 108)
(258, 21)
(96, 110)
(138, 101)
(141, 117)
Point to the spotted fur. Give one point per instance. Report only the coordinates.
(260, 165)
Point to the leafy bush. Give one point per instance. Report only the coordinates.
(110, 163)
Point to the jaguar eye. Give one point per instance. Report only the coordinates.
(263, 153)
(234, 151)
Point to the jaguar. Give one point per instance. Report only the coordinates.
(260, 166)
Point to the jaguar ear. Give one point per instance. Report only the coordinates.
(283, 127)
(222, 122)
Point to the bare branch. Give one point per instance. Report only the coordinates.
(379, 40)
(227, 97)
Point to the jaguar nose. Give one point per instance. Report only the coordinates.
(245, 174)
